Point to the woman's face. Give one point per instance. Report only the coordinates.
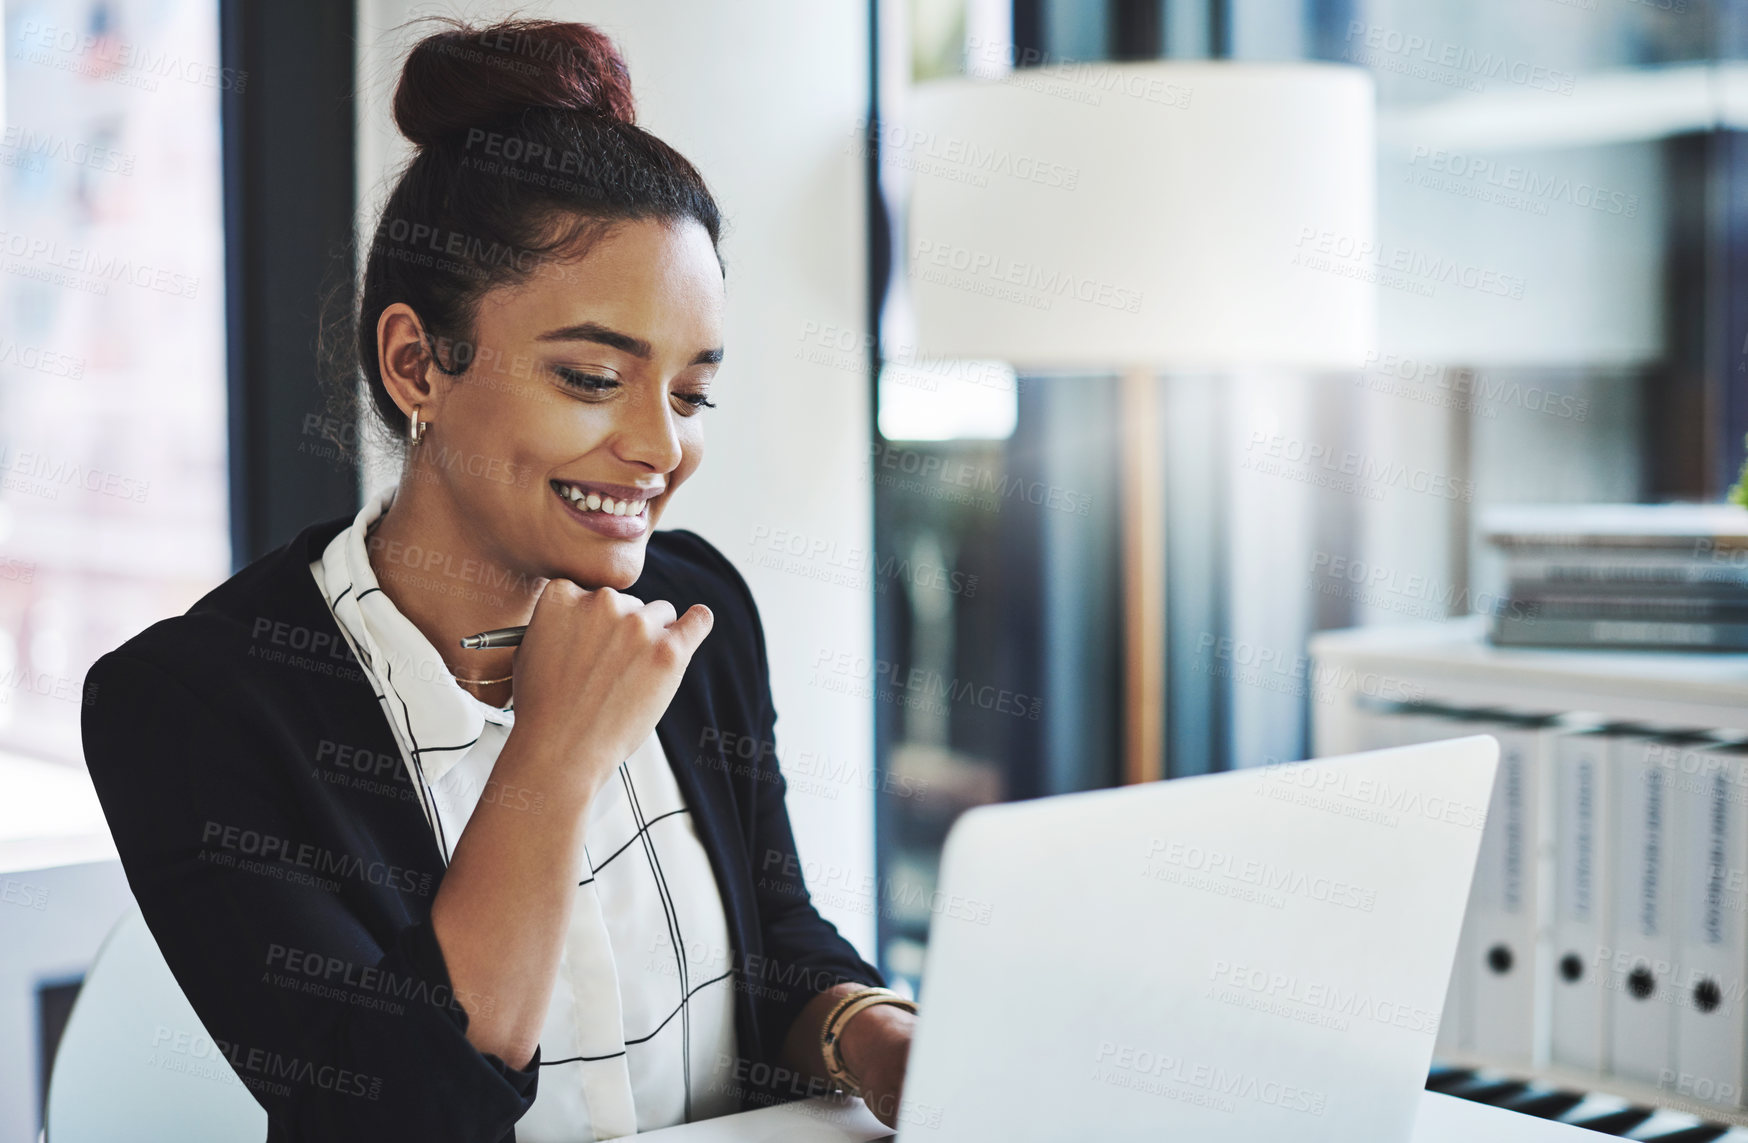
(581, 414)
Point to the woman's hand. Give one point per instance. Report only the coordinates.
(595, 673)
(875, 1046)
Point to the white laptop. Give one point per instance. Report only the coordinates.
(1259, 955)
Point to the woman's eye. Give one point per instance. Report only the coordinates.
(596, 385)
(585, 382)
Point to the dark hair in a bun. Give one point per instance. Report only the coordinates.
(528, 149)
(523, 64)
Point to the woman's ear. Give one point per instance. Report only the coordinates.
(404, 361)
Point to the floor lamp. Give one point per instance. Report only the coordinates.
(1145, 217)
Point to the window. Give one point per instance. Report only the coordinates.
(113, 505)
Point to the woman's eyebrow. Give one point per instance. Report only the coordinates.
(624, 342)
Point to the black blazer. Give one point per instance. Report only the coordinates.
(272, 836)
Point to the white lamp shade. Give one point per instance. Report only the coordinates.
(1174, 215)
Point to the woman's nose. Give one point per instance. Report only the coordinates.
(647, 434)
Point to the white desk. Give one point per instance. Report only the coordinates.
(1443, 1119)
(823, 1120)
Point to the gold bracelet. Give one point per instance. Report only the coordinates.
(830, 1037)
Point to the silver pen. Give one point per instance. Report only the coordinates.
(500, 637)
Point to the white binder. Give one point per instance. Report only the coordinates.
(1424, 722)
(1456, 1028)
(1642, 955)
(1578, 1035)
(1709, 789)
(1508, 934)
(1377, 725)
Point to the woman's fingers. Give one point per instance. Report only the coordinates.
(692, 627)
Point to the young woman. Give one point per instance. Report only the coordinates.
(534, 892)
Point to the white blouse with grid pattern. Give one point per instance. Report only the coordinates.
(640, 1031)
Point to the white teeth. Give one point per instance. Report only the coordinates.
(595, 502)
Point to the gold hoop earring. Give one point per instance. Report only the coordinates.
(415, 427)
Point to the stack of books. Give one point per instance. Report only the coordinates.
(1669, 577)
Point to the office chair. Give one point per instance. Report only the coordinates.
(135, 1063)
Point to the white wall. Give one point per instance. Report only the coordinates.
(764, 96)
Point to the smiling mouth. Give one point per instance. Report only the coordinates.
(586, 499)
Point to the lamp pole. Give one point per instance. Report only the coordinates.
(1143, 547)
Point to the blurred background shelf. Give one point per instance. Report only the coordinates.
(1450, 662)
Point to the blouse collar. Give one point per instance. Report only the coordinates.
(436, 720)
